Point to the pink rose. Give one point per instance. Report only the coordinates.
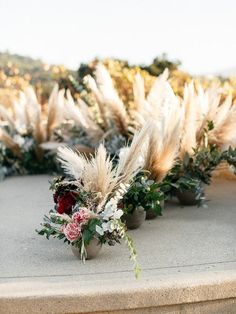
(81, 216)
(72, 231)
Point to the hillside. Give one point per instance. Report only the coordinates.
(17, 72)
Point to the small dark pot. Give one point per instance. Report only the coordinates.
(92, 249)
(187, 197)
(151, 214)
(134, 220)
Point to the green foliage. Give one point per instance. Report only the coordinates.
(143, 192)
(193, 170)
(28, 163)
(51, 227)
(90, 232)
(229, 156)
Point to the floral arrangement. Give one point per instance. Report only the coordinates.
(78, 222)
(208, 133)
(28, 134)
(87, 199)
(145, 193)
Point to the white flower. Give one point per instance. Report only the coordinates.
(99, 230)
(111, 211)
(19, 140)
(109, 226)
(118, 214)
(28, 144)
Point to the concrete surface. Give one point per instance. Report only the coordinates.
(187, 256)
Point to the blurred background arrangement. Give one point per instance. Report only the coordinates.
(71, 70)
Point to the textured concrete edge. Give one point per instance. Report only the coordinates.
(81, 297)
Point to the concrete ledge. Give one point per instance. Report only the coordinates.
(213, 290)
(188, 260)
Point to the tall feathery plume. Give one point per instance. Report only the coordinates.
(139, 92)
(34, 112)
(159, 89)
(6, 117)
(9, 143)
(72, 163)
(93, 130)
(222, 113)
(111, 99)
(55, 110)
(99, 98)
(162, 149)
(97, 173)
(159, 100)
(19, 113)
(22, 114)
(141, 107)
(132, 158)
(73, 112)
(39, 136)
(79, 113)
(99, 176)
(209, 102)
(32, 106)
(225, 135)
(189, 134)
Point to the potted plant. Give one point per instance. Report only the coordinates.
(86, 213)
(187, 178)
(76, 221)
(144, 199)
(28, 135)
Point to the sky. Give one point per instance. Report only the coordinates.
(200, 33)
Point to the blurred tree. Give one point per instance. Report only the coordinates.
(159, 64)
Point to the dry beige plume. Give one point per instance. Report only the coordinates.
(99, 98)
(110, 104)
(27, 116)
(55, 114)
(82, 117)
(97, 173)
(206, 106)
(157, 105)
(190, 124)
(9, 143)
(6, 117)
(131, 159)
(163, 149)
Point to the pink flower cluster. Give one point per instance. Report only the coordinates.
(81, 216)
(72, 230)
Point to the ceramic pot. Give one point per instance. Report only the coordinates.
(187, 197)
(134, 220)
(92, 249)
(151, 214)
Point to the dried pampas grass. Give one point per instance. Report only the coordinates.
(9, 143)
(71, 162)
(97, 173)
(111, 106)
(162, 151)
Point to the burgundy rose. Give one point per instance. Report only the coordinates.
(55, 197)
(65, 203)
